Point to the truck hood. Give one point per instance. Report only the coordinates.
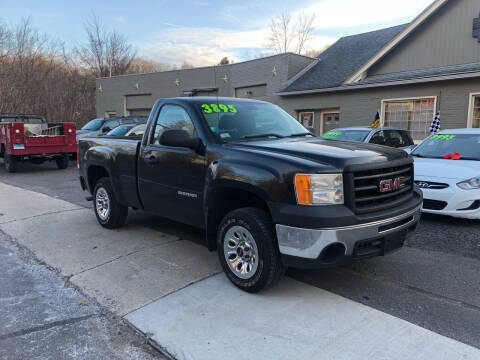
(339, 154)
(428, 168)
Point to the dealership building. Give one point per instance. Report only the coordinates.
(407, 73)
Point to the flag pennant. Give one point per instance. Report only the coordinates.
(376, 122)
(435, 125)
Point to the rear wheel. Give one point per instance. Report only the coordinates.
(10, 162)
(62, 161)
(248, 250)
(109, 212)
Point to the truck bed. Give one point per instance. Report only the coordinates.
(123, 163)
(37, 139)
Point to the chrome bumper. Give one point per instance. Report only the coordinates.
(309, 243)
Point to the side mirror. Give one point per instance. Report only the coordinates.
(106, 129)
(178, 138)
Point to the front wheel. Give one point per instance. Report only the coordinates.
(10, 162)
(109, 212)
(248, 250)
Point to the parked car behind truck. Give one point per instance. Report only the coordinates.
(31, 138)
(268, 193)
(388, 136)
(103, 125)
(447, 170)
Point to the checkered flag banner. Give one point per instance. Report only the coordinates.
(435, 125)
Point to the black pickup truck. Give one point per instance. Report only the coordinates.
(268, 193)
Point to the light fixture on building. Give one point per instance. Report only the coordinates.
(274, 71)
(225, 79)
(137, 85)
(177, 82)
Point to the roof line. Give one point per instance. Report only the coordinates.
(414, 24)
(354, 86)
(206, 67)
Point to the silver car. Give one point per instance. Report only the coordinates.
(388, 136)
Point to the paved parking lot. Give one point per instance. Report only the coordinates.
(433, 282)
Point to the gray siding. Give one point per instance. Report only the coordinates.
(297, 63)
(123, 93)
(445, 39)
(359, 107)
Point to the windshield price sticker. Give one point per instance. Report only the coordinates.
(331, 134)
(216, 108)
(443, 137)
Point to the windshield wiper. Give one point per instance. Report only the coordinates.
(263, 135)
(301, 134)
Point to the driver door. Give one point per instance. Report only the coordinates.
(171, 179)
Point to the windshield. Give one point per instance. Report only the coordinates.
(235, 120)
(348, 135)
(93, 125)
(439, 145)
(120, 130)
(24, 119)
(137, 130)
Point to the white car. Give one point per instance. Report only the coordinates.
(447, 169)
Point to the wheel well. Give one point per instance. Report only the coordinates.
(95, 173)
(226, 200)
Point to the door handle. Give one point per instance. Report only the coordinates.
(152, 159)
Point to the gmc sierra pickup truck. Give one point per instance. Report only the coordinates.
(268, 193)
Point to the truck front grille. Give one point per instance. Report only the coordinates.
(379, 189)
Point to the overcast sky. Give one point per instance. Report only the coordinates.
(201, 32)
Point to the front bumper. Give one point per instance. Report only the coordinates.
(331, 246)
(459, 203)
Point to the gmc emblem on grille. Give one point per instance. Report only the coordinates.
(392, 184)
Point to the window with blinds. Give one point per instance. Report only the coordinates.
(475, 111)
(414, 115)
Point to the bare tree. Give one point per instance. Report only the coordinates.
(286, 35)
(281, 35)
(303, 30)
(186, 65)
(105, 53)
(141, 66)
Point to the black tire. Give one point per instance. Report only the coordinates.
(10, 162)
(269, 269)
(117, 214)
(62, 161)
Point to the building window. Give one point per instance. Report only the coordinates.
(109, 114)
(307, 119)
(414, 115)
(474, 111)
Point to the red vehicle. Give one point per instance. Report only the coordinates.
(31, 138)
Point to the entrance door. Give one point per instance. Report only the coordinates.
(171, 179)
(330, 121)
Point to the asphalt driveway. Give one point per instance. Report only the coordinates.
(433, 282)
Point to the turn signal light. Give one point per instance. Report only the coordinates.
(303, 186)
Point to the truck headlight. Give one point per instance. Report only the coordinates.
(470, 184)
(319, 189)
